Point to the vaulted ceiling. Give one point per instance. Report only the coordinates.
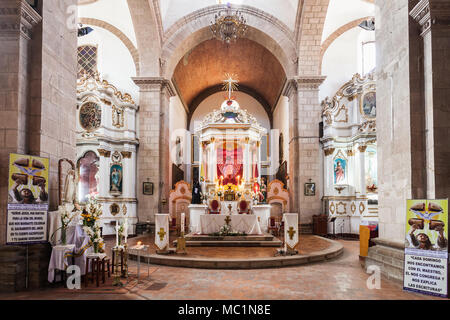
(172, 10)
(201, 71)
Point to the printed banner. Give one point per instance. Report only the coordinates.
(426, 247)
(162, 231)
(27, 199)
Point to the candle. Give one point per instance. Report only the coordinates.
(126, 229)
(182, 223)
(117, 233)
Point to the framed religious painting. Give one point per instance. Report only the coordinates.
(147, 188)
(116, 175)
(368, 104)
(340, 168)
(90, 116)
(310, 189)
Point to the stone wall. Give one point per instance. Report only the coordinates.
(38, 105)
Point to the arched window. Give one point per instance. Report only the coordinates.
(88, 173)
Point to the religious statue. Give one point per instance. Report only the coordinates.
(196, 192)
(70, 187)
(263, 197)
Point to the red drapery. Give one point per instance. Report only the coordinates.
(229, 162)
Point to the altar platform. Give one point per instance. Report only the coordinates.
(263, 240)
(311, 249)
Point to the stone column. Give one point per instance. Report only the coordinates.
(304, 146)
(153, 157)
(433, 16)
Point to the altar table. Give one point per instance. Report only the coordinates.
(248, 223)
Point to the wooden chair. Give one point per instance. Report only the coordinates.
(97, 264)
(243, 207)
(173, 224)
(272, 226)
(214, 207)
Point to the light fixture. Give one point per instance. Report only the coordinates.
(229, 26)
(368, 25)
(82, 31)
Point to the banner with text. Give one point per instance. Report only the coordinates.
(426, 247)
(27, 199)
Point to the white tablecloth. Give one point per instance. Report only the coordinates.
(75, 235)
(210, 223)
(195, 211)
(263, 212)
(60, 259)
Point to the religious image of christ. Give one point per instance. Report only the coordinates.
(339, 171)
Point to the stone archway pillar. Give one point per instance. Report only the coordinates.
(433, 17)
(304, 146)
(153, 159)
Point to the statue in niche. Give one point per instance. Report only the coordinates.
(70, 187)
(196, 192)
(263, 197)
(117, 117)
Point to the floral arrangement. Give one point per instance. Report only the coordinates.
(226, 230)
(67, 213)
(90, 218)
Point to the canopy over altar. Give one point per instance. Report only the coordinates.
(230, 151)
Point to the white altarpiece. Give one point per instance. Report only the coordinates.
(106, 129)
(349, 145)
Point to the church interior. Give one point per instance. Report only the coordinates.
(150, 145)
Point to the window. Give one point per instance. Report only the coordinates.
(87, 60)
(368, 56)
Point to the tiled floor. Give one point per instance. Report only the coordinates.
(342, 278)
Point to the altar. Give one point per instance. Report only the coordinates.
(243, 223)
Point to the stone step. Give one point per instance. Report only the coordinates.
(265, 237)
(232, 243)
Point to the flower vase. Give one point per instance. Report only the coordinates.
(96, 247)
(63, 236)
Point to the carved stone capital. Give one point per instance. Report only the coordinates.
(328, 152)
(104, 153)
(362, 148)
(302, 83)
(155, 84)
(350, 152)
(126, 154)
(17, 18)
(309, 82)
(431, 13)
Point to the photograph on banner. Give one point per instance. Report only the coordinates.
(427, 227)
(28, 182)
(426, 247)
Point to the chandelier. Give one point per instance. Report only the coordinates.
(229, 26)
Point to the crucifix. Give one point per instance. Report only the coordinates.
(230, 85)
(161, 234)
(291, 232)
